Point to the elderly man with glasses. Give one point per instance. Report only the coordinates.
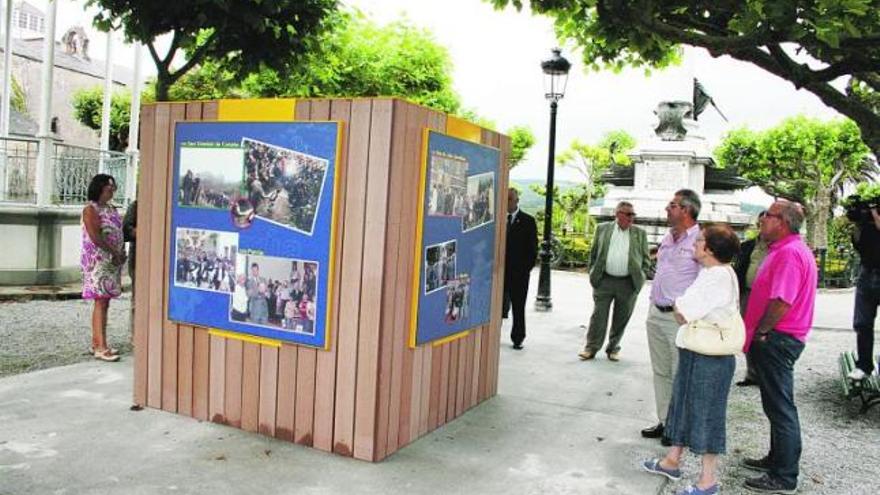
(677, 268)
(619, 260)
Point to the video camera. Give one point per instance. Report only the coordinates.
(858, 210)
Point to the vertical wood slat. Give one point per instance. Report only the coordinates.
(494, 330)
(156, 254)
(217, 384)
(185, 344)
(391, 291)
(145, 247)
(234, 370)
(284, 420)
(268, 393)
(304, 417)
(325, 368)
(372, 274)
(414, 153)
(453, 379)
(350, 288)
(250, 387)
(201, 373)
(170, 328)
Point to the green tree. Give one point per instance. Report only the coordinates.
(88, 105)
(521, 140)
(18, 100)
(779, 36)
(591, 161)
(804, 160)
(244, 34)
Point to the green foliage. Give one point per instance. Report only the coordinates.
(775, 35)
(245, 35)
(521, 140)
(574, 251)
(802, 159)
(866, 191)
(88, 105)
(18, 99)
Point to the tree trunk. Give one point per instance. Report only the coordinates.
(820, 217)
(163, 83)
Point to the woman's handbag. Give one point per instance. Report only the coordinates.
(724, 338)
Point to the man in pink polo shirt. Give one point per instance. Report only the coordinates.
(778, 319)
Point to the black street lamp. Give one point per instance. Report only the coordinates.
(555, 78)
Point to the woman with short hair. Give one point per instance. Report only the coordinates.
(698, 410)
(103, 255)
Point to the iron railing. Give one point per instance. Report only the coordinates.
(18, 169)
(74, 166)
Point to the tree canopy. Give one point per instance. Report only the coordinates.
(810, 43)
(802, 159)
(521, 140)
(87, 108)
(244, 34)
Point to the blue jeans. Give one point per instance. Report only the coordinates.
(774, 360)
(867, 300)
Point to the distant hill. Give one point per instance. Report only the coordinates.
(530, 201)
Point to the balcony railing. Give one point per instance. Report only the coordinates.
(72, 168)
(18, 170)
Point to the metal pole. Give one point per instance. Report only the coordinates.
(6, 104)
(44, 159)
(543, 302)
(106, 102)
(133, 127)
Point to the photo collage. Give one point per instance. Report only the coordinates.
(253, 180)
(454, 193)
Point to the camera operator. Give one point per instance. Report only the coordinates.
(866, 240)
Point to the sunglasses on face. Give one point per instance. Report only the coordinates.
(627, 214)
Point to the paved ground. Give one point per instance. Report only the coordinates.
(557, 426)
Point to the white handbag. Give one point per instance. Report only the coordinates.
(710, 338)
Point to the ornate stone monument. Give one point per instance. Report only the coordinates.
(677, 157)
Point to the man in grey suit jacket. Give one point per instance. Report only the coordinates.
(619, 260)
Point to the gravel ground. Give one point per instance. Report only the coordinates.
(43, 334)
(841, 448)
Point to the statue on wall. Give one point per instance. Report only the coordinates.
(701, 99)
(670, 115)
(75, 42)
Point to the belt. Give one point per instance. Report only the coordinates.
(616, 277)
(664, 309)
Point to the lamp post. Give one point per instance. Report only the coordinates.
(555, 78)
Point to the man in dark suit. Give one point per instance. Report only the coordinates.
(619, 260)
(522, 251)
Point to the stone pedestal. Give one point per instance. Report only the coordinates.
(664, 164)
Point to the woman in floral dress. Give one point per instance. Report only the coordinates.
(103, 255)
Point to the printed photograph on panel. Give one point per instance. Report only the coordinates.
(480, 201)
(277, 293)
(205, 259)
(283, 185)
(457, 298)
(439, 265)
(210, 176)
(448, 179)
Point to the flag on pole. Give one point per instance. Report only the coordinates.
(701, 99)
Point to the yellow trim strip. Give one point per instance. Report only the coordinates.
(340, 127)
(257, 110)
(463, 129)
(446, 340)
(420, 218)
(244, 337)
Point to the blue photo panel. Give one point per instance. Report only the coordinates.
(457, 249)
(252, 216)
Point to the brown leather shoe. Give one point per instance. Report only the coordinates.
(586, 355)
(614, 356)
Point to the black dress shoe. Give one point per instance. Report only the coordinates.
(517, 347)
(748, 382)
(665, 442)
(655, 431)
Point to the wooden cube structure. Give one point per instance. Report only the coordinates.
(369, 393)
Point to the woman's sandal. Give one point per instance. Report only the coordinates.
(113, 351)
(106, 355)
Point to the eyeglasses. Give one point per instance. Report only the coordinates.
(772, 215)
(673, 204)
(627, 214)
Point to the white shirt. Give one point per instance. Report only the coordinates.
(617, 260)
(713, 296)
